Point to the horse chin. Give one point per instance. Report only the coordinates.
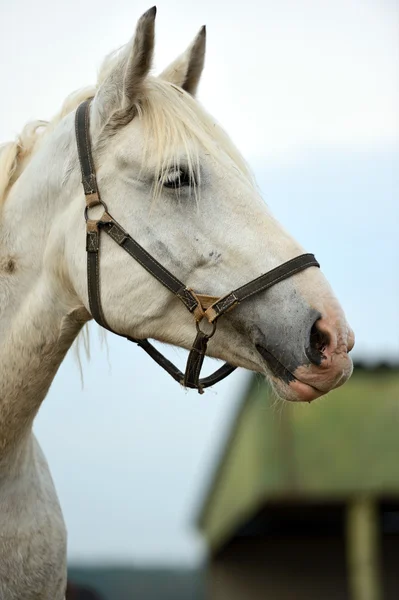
(295, 391)
(284, 383)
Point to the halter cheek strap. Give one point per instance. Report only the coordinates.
(201, 306)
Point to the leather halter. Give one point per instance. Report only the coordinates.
(201, 306)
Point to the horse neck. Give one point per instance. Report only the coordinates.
(38, 322)
(33, 204)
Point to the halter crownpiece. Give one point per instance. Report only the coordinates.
(201, 306)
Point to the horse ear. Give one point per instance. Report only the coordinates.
(124, 79)
(186, 70)
(140, 58)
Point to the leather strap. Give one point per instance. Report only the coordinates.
(177, 375)
(93, 273)
(198, 304)
(196, 356)
(82, 130)
(121, 237)
(195, 360)
(260, 284)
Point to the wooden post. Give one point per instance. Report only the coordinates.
(363, 549)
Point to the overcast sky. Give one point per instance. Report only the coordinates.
(309, 92)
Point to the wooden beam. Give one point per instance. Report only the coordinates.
(363, 549)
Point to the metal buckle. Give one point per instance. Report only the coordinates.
(208, 335)
(87, 208)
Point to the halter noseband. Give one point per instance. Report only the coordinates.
(201, 306)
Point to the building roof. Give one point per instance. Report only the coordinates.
(344, 444)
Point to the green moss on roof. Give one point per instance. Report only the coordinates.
(343, 444)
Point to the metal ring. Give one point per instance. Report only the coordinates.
(99, 203)
(208, 335)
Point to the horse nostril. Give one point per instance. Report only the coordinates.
(318, 342)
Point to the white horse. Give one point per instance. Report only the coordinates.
(177, 184)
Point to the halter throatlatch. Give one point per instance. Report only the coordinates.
(201, 306)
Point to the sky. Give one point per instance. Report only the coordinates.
(309, 92)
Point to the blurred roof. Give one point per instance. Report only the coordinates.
(341, 445)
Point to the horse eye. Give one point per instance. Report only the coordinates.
(177, 178)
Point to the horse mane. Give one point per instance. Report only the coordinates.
(172, 118)
(15, 155)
